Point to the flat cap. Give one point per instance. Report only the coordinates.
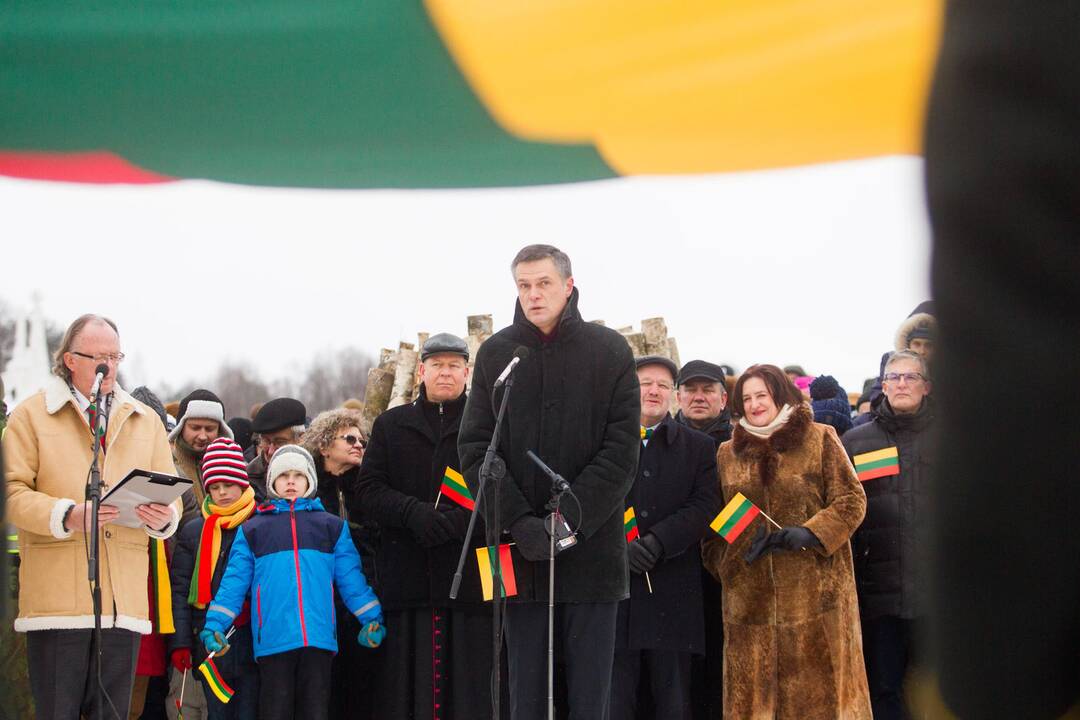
(700, 369)
(657, 360)
(444, 343)
(278, 414)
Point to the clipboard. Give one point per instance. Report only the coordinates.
(141, 487)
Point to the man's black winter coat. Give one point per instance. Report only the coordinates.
(674, 497)
(403, 466)
(889, 548)
(575, 402)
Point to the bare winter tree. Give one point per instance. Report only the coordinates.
(332, 379)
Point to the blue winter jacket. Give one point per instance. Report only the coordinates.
(289, 557)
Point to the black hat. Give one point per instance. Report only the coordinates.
(241, 427)
(444, 343)
(278, 414)
(824, 387)
(657, 360)
(700, 369)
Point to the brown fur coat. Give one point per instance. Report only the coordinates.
(792, 640)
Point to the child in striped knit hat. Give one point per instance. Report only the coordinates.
(200, 559)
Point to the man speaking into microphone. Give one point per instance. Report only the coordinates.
(48, 450)
(575, 403)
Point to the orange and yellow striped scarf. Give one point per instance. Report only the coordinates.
(206, 558)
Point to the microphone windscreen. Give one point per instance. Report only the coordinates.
(102, 370)
(522, 352)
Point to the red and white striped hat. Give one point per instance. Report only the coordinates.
(223, 461)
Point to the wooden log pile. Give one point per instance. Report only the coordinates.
(396, 379)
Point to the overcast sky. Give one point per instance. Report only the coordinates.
(814, 265)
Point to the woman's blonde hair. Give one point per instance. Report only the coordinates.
(325, 427)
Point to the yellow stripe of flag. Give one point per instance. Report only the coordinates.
(727, 512)
(875, 456)
(452, 473)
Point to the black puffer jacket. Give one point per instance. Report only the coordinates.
(576, 403)
(889, 548)
(403, 467)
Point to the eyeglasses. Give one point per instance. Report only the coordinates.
(354, 440)
(911, 378)
(115, 358)
(273, 442)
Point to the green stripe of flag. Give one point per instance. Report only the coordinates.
(878, 464)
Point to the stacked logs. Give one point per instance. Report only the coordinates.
(396, 379)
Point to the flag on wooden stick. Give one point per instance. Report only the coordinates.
(454, 487)
(485, 559)
(215, 682)
(734, 518)
(630, 524)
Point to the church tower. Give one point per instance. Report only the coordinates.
(28, 369)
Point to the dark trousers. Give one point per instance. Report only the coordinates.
(669, 679)
(585, 635)
(63, 672)
(239, 671)
(295, 685)
(887, 649)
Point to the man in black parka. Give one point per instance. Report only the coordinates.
(575, 404)
(662, 625)
(889, 548)
(437, 662)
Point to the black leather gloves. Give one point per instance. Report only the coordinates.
(644, 553)
(795, 537)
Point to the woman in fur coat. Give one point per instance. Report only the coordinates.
(792, 641)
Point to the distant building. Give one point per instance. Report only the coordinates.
(28, 370)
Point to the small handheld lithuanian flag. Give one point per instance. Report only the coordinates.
(454, 487)
(629, 523)
(879, 463)
(215, 682)
(734, 518)
(484, 558)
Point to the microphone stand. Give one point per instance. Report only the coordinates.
(558, 487)
(492, 471)
(93, 494)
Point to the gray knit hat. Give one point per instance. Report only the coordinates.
(291, 457)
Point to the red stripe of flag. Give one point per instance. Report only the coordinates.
(449, 491)
(743, 522)
(879, 472)
(80, 167)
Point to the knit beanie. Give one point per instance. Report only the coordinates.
(291, 457)
(223, 461)
(824, 387)
(201, 405)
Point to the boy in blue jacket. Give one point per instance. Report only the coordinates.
(288, 559)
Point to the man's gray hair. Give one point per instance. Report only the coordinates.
(898, 355)
(533, 253)
(71, 335)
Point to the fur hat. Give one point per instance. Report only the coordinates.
(291, 457)
(201, 405)
(224, 461)
(921, 323)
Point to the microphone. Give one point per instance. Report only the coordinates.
(102, 371)
(556, 479)
(520, 354)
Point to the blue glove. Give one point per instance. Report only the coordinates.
(210, 641)
(372, 634)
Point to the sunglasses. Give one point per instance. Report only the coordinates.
(354, 440)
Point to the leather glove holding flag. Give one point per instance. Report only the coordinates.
(644, 553)
(794, 537)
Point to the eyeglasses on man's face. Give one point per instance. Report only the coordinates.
(911, 378)
(114, 358)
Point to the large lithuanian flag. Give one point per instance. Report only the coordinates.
(454, 93)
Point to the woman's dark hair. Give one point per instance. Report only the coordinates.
(780, 387)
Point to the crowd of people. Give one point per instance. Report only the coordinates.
(313, 563)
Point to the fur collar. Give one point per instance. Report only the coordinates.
(766, 451)
(917, 320)
(58, 394)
